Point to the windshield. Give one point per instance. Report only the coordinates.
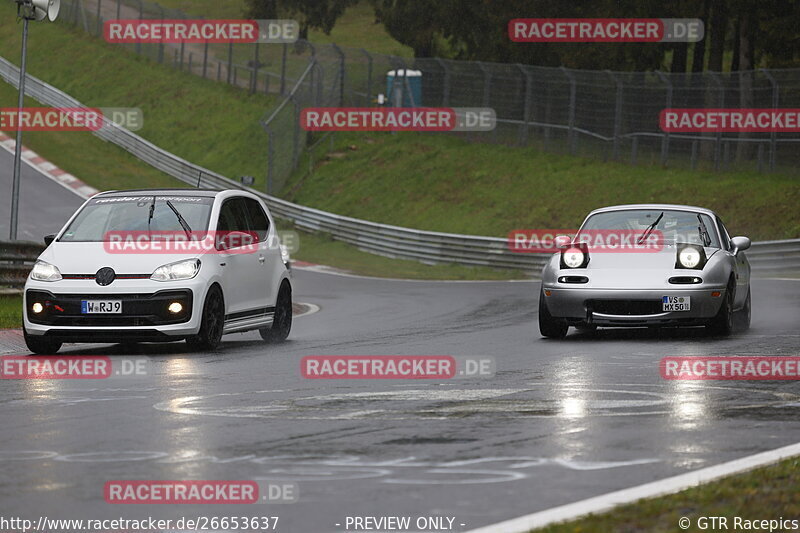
(675, 226)
(132, 214)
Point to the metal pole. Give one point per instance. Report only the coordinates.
(283, 69)
(668, 104)
(18, 147)
(617, 114)
(773, 137)
(526, 112)
(572, 94)
(369, 77)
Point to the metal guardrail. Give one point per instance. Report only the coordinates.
(392, 241)
(16, 258)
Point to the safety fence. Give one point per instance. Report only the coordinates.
(600, 114)
(382, 239)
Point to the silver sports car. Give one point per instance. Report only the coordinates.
(647, 265)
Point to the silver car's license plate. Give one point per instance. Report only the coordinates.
(101, 307)
(677, 303)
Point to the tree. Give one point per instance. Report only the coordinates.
(310, 14)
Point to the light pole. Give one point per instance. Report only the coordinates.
(27, 10)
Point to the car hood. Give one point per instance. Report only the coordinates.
(627, 269)
(89, 257)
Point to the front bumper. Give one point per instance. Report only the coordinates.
(631, 307)
(144, 314)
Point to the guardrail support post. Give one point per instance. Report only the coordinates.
(230, 61)
(718, 143)
(97, 18)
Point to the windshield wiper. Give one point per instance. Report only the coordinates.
(703, 231)
(150, 216)
(182, 220)
(650, 229)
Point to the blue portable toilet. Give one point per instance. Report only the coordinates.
(404, 88)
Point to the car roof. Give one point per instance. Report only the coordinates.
(676, 207)
(145, 192)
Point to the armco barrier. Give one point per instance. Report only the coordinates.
(382, 239)
(16, 258)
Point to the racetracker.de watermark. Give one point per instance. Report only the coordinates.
(543, 241)
(197, 242)
(70, 367)
(605, 30)
(171, 492)
(398, 119)
(697, 120)
(198, 31)
(69, 118)
(396, 367)
(694, 368)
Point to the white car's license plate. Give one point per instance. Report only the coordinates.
(101, 307)
(677, 303)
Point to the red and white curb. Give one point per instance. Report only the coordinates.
(48, 169)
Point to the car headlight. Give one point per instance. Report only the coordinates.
(573, 257)
(177, 271)
(691, 256)
(43, 271)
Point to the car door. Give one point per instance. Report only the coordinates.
(741, 266)
(240, 265)
(269, 255)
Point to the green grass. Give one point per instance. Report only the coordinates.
(322, 249)
(102, 165)
(764, 493)
(355, 29)
(10, 312)
(443, 183)
(208, 123)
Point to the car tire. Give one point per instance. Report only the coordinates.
(743, 315)
(282, 321)
(212, 324)
(41, 345)
(722, 324)
(548, 325)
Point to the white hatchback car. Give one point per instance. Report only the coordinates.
(160, 265)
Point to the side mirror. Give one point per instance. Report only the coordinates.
(740, 244)
(48, 239)
(234, 239)
(562, 241)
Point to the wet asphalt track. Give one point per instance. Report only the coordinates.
(560, 421)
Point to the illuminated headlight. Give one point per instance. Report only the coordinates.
(285, 254)
(177, 271)
(573, 258)
(45, 272)
(689, 257)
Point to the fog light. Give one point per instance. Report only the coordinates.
(715, 294)
(37, 308)
(175, 308)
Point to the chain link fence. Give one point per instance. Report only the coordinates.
(597, 114)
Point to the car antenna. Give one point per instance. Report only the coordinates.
(199, 177)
